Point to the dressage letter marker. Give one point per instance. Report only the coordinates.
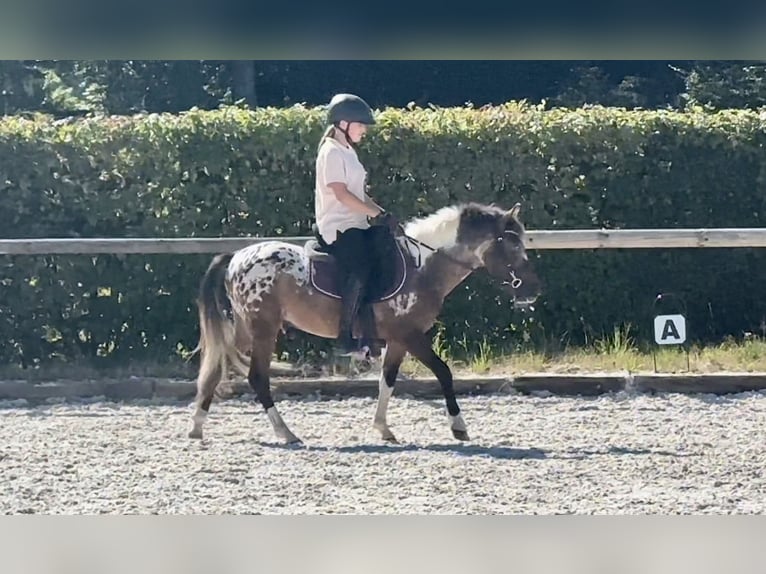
(669, 329)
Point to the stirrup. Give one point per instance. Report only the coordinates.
(361, 354)
(343, 346)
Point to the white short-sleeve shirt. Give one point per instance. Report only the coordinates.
(337, 163)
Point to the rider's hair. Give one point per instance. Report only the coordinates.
(328, 133)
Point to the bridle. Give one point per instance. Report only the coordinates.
(515, 281)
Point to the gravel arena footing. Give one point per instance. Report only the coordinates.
(615, 453)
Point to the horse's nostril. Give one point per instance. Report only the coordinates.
(524, 303)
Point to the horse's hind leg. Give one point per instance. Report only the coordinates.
(392, 359)
(207, 381)
(263, 344)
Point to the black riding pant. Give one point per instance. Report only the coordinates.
(355, 252)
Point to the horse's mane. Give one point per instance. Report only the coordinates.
(440, 228)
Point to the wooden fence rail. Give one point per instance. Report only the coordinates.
(536, 239)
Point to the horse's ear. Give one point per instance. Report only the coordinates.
(514, 211)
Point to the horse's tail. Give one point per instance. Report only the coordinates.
(218, 325)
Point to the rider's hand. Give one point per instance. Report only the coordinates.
(389, 220)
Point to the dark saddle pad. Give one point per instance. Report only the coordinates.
(391, 277)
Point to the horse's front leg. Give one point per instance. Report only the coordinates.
(392, 360)
(419, 346)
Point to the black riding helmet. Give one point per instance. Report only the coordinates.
(350, 108)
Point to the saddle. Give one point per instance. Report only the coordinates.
(394, 270)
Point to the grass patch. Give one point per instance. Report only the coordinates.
(615, 352)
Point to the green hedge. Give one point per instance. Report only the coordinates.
(234, 172)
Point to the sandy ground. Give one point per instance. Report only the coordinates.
(614, 454)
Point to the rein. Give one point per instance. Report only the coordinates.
(416, 242)
(515, 281)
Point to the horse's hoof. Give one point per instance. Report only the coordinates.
(196, 434)
(294, 441)
(460, 434)
(385, 433)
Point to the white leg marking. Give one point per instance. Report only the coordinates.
(379, 422)
(280, 428)
(198, 419)
(457, 423)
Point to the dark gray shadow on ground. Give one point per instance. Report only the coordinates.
(498, 452)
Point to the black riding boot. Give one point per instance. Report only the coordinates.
(369, 342)
(351, 297)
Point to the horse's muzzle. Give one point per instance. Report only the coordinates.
(524, 303)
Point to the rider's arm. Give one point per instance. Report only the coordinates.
(369, 201)
(351, 201)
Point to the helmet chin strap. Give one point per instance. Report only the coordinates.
(345, 133)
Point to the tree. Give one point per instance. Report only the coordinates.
(724, 84)
(21, 86)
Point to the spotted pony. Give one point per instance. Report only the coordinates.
(246, 299)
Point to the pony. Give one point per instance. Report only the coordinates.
(249, 296)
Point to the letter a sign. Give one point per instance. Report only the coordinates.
(669, 329)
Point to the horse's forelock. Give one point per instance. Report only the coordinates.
(478, 221)
(512, 223)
